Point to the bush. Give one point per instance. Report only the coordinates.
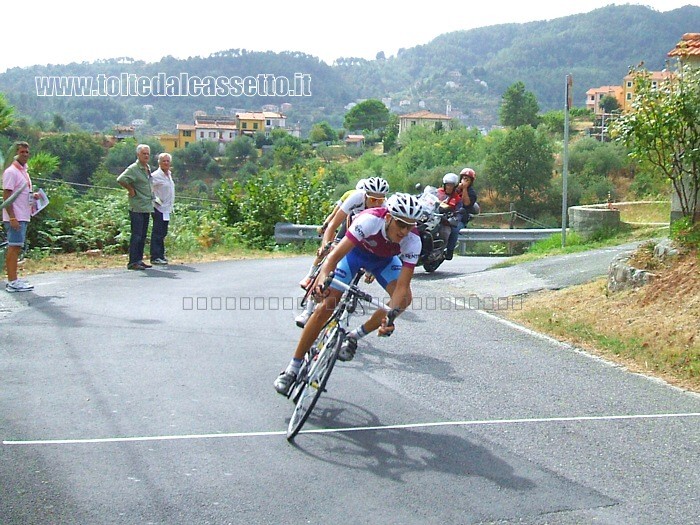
(300, 195)
(686, 233)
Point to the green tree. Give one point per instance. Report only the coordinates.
(239, 151)
(519, 107)
(58, 122)
(120, 156)
(370, 115)
(43, 164)
(553, 121)
(6, 112)
(287, 151)
(391, 133)
(520, 165)
(609, 104)
(661, 128)
(322, 132)
(195, 161)
(80, 154)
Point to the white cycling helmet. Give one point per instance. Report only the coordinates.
(376, 185)
(360, 184)
(405, 206)
(450, 178)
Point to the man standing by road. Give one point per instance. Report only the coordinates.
(16, 215)
(164, 197)
(137, 181)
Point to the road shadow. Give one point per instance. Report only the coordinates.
(437, 275)
(370, 358)
(47, 305)
(168, 272)
(399, 453)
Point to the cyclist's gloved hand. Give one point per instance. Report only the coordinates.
(386, 329)
(322, 287)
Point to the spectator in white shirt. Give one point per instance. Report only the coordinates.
(163, 189)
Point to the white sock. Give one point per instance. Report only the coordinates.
(294, 366)
(358, 333)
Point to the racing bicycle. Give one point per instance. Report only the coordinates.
(319, 361)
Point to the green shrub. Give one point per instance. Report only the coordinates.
(686, 233)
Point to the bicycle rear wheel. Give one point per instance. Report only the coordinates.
(315, 382)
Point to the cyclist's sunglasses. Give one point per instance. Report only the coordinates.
(404, 225)
(376, 197)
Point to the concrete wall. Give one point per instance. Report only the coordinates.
(585, 220)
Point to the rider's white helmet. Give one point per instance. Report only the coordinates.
(376, 185)
(450, 178)
(405, 206)
(360, 184)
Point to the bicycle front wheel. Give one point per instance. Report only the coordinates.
(315, 383)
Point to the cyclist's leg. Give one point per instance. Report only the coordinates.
(313, 326)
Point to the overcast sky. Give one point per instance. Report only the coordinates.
(60, 32)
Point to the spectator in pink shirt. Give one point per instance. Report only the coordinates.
(16, 215)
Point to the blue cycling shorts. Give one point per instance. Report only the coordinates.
(384, 269)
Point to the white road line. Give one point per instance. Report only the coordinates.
(573, 419)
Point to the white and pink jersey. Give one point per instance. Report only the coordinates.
(368, 231)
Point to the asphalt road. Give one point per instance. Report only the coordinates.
(146, 397)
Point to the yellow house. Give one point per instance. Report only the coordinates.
(424, 118)
(656, 78)
(185, 135)
(250, 123)
(169, 142)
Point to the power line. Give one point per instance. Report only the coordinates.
(109, 188)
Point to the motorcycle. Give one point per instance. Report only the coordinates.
(434, 227)
(430, 228)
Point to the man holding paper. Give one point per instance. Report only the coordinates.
(163, 189)
(17, 185)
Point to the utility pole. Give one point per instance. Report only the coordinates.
(565, 171)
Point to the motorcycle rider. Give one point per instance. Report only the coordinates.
(457, 196)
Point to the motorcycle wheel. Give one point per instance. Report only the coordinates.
(432, 266)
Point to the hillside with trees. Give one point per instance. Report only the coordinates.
(470, 69)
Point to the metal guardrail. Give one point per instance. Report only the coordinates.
(286, 232)
(506, 235)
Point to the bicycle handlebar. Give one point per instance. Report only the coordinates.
(392, 313)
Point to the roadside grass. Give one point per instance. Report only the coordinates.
(652, 211)
(41, 262)
(652, 330)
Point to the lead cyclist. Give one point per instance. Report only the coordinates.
(383, 241)
(370, 194)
